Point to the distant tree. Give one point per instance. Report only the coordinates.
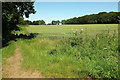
(58, 22)
(63, 22)
(27, 22)
(35, 22)
(100, 18)
(39, 22)
(55, 22)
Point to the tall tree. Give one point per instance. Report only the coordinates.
(11, 13)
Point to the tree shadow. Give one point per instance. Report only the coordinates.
(5, 42)
(31, 36)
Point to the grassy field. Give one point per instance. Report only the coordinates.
(69, 51)
(66, 30)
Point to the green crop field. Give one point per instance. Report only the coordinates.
(66, 30)
(68, 51)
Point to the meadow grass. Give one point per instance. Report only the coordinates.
(76, 54)
(47, 31)
(8, 51)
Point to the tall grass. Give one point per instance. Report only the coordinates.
(77, 57)
(97, 57)
(8, 51)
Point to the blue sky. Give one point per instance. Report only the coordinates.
(49, 11)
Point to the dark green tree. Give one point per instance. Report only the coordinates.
(41, 22)
(55, 22)
(27, 22)
(63, 22)
(11, 14)
(100, 18)
(35, 22)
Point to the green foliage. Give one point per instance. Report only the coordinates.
(27, 22)
(99, 55)
(12, 14)
(100, 18)
(8, 51)
(79, 56)
(39, 22)
(22, 31)
(55, 22)
(63, 21)
(89, 51)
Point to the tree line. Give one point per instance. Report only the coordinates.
(12, 15)
(100, 18)
(38, 22)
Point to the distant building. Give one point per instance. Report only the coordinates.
(60, 23)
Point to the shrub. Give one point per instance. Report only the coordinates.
(98, 55)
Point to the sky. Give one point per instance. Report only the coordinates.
(49, 11)
(77, 0)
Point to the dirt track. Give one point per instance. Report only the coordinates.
(13, 70)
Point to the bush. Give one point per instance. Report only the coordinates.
(98, 55)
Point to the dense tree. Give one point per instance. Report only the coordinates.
(39, 22)
(12, 14)
(63, 21)
(100, 18)
(21, 20)
(27, 22)
(35, 23)
(55, 22)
